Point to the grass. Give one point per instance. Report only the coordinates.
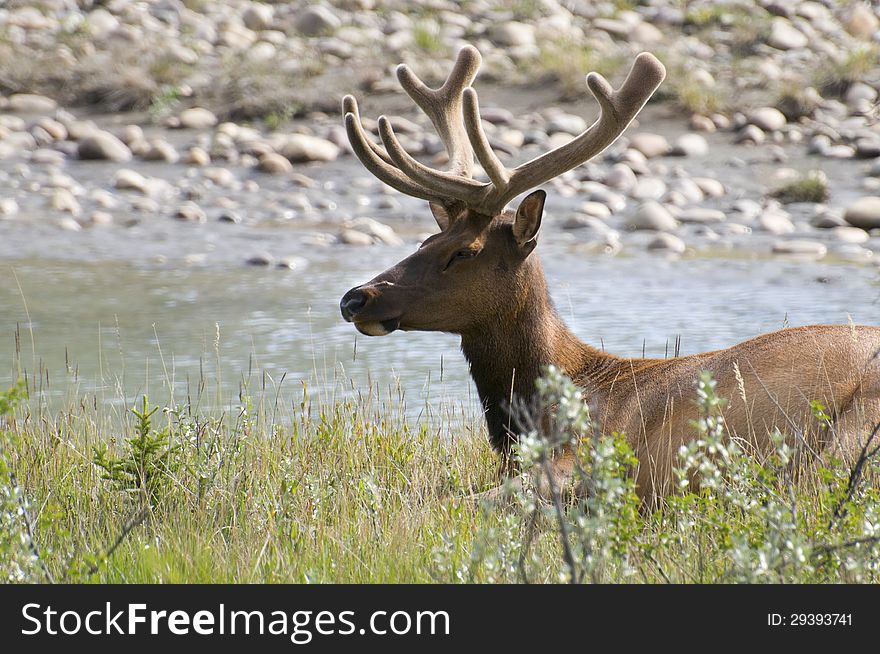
(567, 62)
(836, 76)
(812, 187)
(303, 490)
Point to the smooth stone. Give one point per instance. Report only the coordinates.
(567, 124)
(801, 247)
(274, 163)
(768, 119)
(161, 150)
(258, 16)
(354, 237)
(668, 243)
(864, 213)
(652, 215)
(511, 34)
(103, 145)
(828, 219)
(776, 224)
(300, 148)
(30, 103)
(690, 145)
(784, 36)
(197, 157)
(293, 263)
(260, 259)
(709, 186)
(702, 216)
(64, 200)
(191, 212)
(649, 188)
(316, 20)
(197, 118)
(750, 134)
(621, 177)
(597, 209)
(126, 179)
(380, 232)
(650, 145)
(849, 234)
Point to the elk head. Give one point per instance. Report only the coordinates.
(476, 269)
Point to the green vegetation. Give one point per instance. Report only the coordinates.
(812, 187)
(567, 62)
(837, 75)
(426, 36)
(351, 491)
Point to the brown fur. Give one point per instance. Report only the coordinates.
(497, 300)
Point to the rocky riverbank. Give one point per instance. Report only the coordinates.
(764, 141)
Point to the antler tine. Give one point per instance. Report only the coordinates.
(618, 108)
(477, 137)
(453, 186)
(443, 106)
(350, 106)
(377, 161)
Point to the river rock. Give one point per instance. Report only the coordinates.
(64, 200)
(769, 119)
(197, 118)
(258, 16)
(650, 145)
(191, 212)
(750, 135)
(690, 145)
(30, 103)
(776, 223)
(512, 34)
(197, 157)
(849, 234)
(784, 36)
(864, 213)
(667, 243)
(380, 232)
(801, 248)
(160, 150)
(300, 148)
(702, 216)
(567, 124)
(126, 179)
(316, 20)
(354, 237)
(103, 145)
(260, 259)
(652, 215)
(274, 163)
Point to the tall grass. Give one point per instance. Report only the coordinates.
(351, 490)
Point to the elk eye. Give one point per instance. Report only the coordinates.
(461, 255)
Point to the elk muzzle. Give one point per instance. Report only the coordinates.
(358, 306)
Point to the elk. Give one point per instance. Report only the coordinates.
(480, 278)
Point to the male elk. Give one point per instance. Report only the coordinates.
(479, 278)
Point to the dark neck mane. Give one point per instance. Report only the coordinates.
(507, 355)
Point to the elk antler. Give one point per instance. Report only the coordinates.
(454, 110)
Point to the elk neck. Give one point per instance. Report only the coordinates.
(507, 353)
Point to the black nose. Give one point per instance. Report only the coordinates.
(352, 302)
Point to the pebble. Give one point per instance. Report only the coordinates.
(103, 145)
(652, 215)
(191, 212)
(667, 243)
(701, 216)
(801, 248)
(690, 145)
(768, 119)
(300, 148)
(315, 20)
(30, 103)
(864, 213)
(274, 163)
(650, 145)
(197, 118)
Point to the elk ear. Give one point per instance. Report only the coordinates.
(528, 219)
(441, 215)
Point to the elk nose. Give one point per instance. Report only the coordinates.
(352, 302)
